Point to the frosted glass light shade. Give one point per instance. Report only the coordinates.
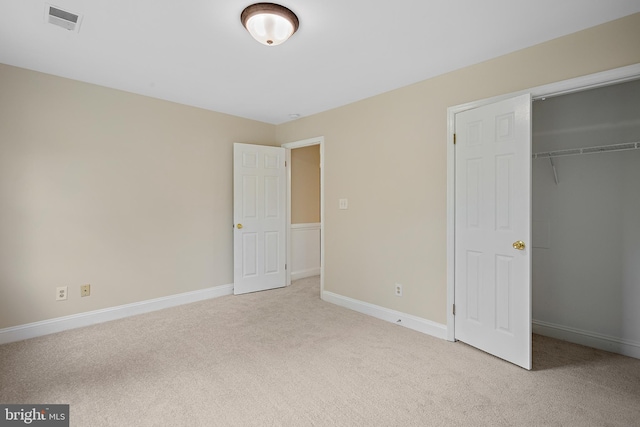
(269, 23)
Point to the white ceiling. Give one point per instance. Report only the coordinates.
(197, 53)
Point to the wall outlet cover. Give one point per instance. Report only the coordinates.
(85, 290)
(398, 290)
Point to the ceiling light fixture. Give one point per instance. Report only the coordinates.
(269, 23)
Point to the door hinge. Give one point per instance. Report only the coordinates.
(285, 266)
(454, 309)
(454, 139)
(285, 163)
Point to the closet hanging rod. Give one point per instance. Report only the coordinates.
(587, 150)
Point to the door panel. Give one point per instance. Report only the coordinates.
(259, 218)
(492, 211)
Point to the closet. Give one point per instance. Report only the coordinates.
(586, 217)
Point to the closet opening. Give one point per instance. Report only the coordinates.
(586, 217)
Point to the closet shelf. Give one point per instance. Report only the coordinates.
(588, 150)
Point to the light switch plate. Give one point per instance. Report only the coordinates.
(343, 204)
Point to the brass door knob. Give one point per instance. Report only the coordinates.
(519, 245)
(239, 226)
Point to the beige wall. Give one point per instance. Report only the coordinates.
(305, 185)
(130, 194)
(134, 195)
(387, 155)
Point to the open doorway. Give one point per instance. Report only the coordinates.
(305, 249)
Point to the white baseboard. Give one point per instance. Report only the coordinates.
(45, 327)
(305, 273)
(407, 320)
(586, 338)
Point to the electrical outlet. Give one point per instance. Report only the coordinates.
(398, 290)
(61, 293)
(85, 290)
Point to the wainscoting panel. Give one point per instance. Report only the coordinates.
(305, 250)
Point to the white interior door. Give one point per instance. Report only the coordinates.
(492, 215)
(259, 212)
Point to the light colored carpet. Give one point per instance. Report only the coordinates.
(285, 357)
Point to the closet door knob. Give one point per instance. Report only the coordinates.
(519, 245)
(239, 226)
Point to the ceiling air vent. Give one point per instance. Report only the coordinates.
(62, 18)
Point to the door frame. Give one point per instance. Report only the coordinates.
(319, 140)
(591, 81)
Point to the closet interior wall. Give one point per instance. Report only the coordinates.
(586, 227)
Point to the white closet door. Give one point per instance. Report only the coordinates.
(492, 222)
